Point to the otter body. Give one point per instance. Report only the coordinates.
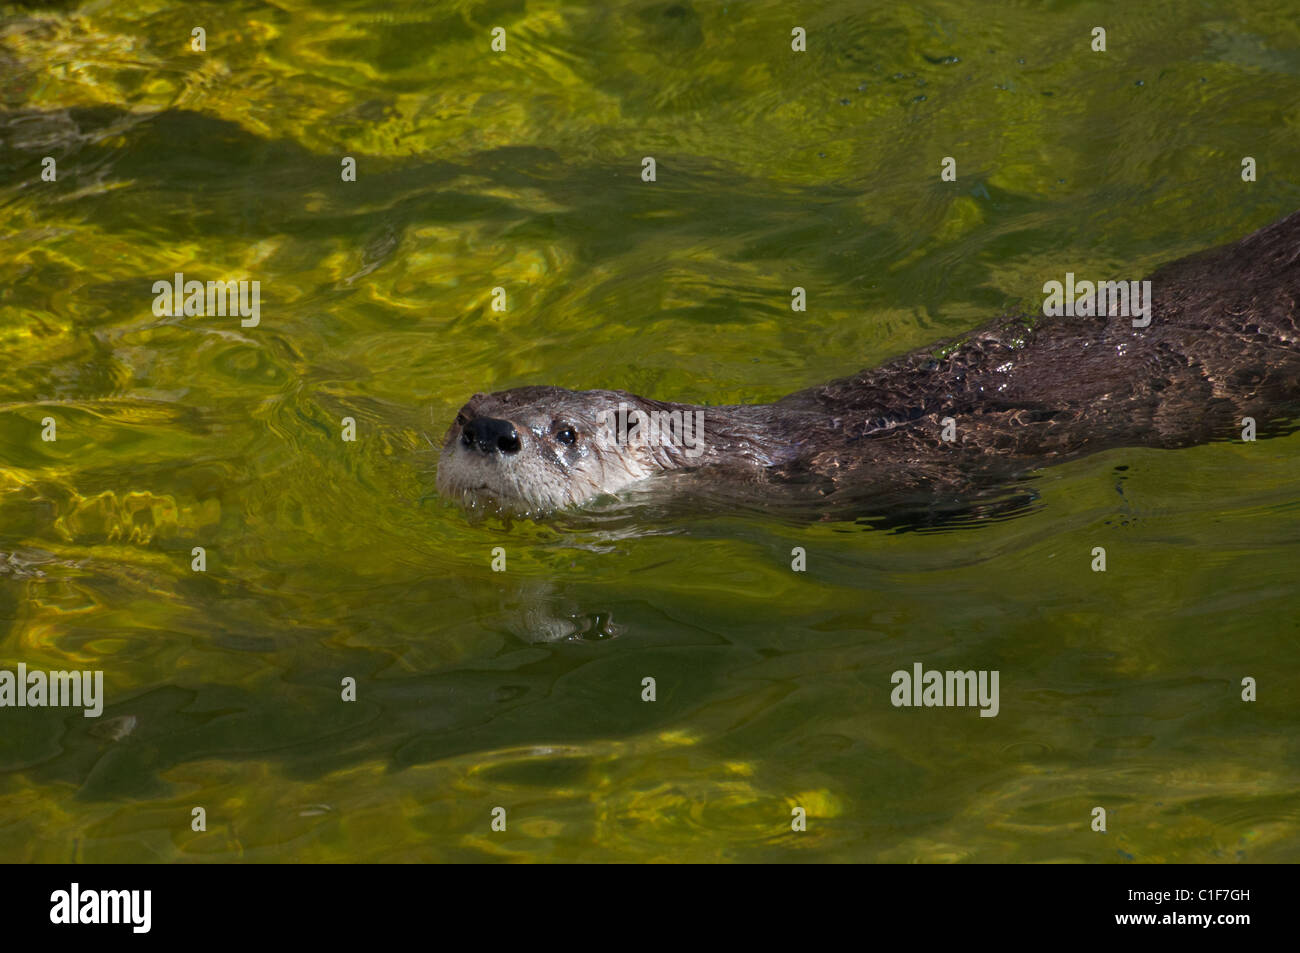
(1223, 343)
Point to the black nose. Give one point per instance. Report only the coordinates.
(490, 435)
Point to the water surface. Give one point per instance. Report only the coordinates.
(329, 559)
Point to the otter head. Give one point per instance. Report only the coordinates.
(536, 449)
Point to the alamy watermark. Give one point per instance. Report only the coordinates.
(635, 427)
(37, 689)
(935, 689)
(194, 298)
(1116, 299)
(75, 905)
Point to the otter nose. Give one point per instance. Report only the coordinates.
(490, 435)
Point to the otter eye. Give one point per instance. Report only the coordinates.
(460, 420)
(567, 435)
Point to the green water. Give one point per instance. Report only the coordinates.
(476, 689)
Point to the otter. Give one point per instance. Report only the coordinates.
(1222, 344)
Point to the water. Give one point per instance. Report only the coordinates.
(329, 560)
